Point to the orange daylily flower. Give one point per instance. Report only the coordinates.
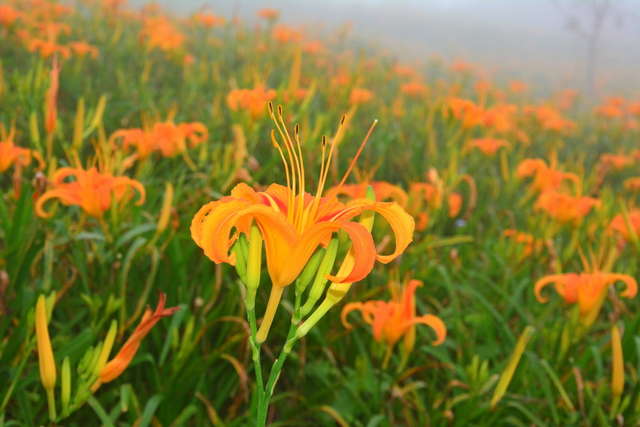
(517, 86)
(564, 207)
(167, 137)
(8, 15)
(632, 184)
(158, 32)
(415, 89)
(252, 100)
(611, 108)
(405, 71)
(92, 191)
(616, 161)
(619, 224)
(208, 20)
(269, 13)
(314, 47)
(528, 241)
(588, 290)
(284, 34)
(116, 366)
(546, 178)
(391, 320)
(11, 154)
(360, 96)
(466, 110)
(488, 146)
(294, 223)
(550, 118)
(47, 48)
(83, 48)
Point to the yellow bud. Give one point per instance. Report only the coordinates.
(106, 348)
(617, 367)
(78, 125)
(165, 212)
(45, 352)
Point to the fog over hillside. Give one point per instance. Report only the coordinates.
(527, 39)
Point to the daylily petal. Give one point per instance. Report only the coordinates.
(631, 285)
(435, 323)
(547, 280)
(402, 224)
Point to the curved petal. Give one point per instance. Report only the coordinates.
(402, 224)
(348, 308)
(547, 280)
(362, 250)
(435, 323)
(408, 299)
(62, 173)
(120, 185)
(61, 194)
(631, 285)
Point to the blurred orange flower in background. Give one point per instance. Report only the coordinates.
(564, 207)
(391, 320)
(588, 290)
(252, 100)
(93, 191)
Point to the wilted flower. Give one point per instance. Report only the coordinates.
(116, 366)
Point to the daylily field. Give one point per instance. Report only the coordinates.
(205, 221)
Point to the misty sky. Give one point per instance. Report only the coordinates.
(525, 39)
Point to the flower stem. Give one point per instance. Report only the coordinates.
(255, 356)
(274, 375)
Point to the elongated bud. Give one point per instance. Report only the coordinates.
(241, 252)
(510, 369)
(165, 212)
(65, 386)
(318, 286)
(107, 345)
(309, 271)
(617, 367)
(45, 352)
(34, 132)
(78, 125)
(337, 291)
(254, 264)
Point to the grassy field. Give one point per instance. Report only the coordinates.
(465, 253)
